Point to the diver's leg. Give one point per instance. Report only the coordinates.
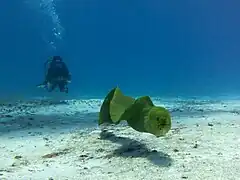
(66, 89)
(51, 86)
(62, 87)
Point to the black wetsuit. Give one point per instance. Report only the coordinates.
(57, 75)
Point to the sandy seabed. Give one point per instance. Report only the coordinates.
(45, 140)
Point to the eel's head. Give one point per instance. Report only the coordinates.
(157, 121)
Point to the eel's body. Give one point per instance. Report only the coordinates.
(141, 114)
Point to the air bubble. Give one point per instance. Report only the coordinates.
(48, 7)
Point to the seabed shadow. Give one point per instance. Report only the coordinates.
(132, 148)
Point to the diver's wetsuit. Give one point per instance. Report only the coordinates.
(57, 74)
(61, 85)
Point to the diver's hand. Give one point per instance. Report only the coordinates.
(42, 85)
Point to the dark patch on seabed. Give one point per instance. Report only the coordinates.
(21, 115)
(24, 115)
(200, 108)
(56, 123)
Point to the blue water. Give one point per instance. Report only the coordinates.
(158, 48)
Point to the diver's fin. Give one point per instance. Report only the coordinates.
(114, 106)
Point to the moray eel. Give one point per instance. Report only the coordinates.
(141, 114)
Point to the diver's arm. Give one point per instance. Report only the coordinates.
(65, 67)
(67, 71)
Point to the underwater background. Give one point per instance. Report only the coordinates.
(158, 48)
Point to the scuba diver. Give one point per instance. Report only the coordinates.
(56, 74)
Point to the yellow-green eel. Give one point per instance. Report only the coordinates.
(141, 114)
